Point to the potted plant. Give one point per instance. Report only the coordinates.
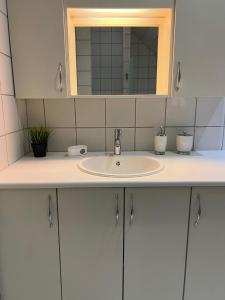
(39, 140)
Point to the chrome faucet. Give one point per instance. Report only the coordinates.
(117, 143)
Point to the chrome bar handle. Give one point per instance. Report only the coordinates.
(117, 209)
(199, 212)
(131, 209)
(60, 78)
(50, 215)
(178, 77)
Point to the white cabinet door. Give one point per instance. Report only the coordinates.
(155, 243)
(205, 278)
(37, 42)
(29, 250)
(91, 239)
(200, 47)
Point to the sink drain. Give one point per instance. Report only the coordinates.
(118, 163)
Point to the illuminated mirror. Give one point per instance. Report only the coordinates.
(119, 51)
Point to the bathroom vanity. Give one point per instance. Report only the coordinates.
(66, 233)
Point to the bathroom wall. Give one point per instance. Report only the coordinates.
(11, 126)
(83, 55)
(144, 49)
(116, 60)
(99, 60)
(92, 121)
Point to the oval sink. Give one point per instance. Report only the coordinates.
(120, 166)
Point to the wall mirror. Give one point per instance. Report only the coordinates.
(119, 51)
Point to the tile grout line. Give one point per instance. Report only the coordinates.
(165, 112)
(105, 100)
(4, 14)
(7, 95)
(195, 119)
(12, 132)
(125, 127)
(3, 114)
(5, 135)
(222, 140)
(26, 113)
(135, 124)
(223, 127)
(10, 50)
(75, 118)
(5, 54)
(43, 103)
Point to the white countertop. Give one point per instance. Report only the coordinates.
(203, 168)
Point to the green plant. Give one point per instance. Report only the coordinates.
(39, 135)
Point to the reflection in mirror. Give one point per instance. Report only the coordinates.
(116, 60)
(119, 51)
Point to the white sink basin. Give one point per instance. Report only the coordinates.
(120, 166)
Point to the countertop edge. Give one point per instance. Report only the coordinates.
(109, 185)
(200, 169)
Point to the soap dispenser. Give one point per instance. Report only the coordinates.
(160, 141)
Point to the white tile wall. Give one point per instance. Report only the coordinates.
(3, 153)
(120, 113)
(210, 112)
(90, 112)
(144, 138)
(12, 123)
(210, 138)
(150, 112)
(11, 126)
(4, 45)
(61, 138)
(96, 118)
(60, 113)
(3, 6)
(2, 123)
(180, 112)
(93, 137)
(35, 113)
(22, 111)
(15, 146)
(6, 83)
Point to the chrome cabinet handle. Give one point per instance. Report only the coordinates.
(199, 212)
(178, 77)
(131, 209)
(50, 216)
(60, 78)
(117, 209)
